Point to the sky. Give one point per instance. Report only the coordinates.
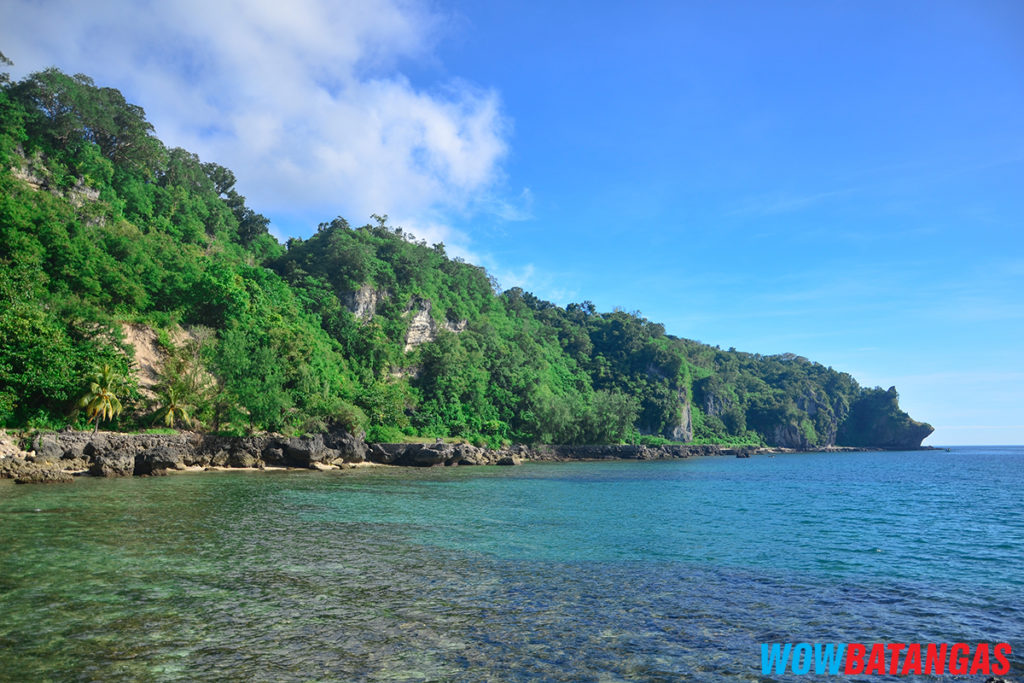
(843, 180)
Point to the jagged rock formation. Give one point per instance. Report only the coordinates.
(788, 436)
(362, 303)
(33, 172)
(876, 420)
(56, 455)
(423, 328)
(683, 431)
(111, 454)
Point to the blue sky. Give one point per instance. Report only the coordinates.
(841, 180)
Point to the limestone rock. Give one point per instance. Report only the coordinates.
(241, 457)
(683, 430)
(350, 447)
(302, 451)
(422, 327)
(113, 464)
(158, 458)
(385, 453)
(48, 448)
(43, 475)
(362, 303)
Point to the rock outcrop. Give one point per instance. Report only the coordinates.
(56, 455)
(683, 429)
(362, 303)
(109, 454)
(43, 475)
(876, 420)
(423, 328)
(37, 176)
(788, 436)
(427, 455)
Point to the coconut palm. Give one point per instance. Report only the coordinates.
(100, 400)
(174, 407)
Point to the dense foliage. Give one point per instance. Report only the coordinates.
(102, 225)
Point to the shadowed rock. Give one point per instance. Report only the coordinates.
(157, 459)
(113, 464)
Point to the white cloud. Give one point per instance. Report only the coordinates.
(301, 99)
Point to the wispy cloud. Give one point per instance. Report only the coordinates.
(785, 202)
(302, 99)
(512, 209)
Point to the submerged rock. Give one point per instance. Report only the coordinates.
(43, 475)
(27, 470)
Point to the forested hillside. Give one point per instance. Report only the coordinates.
(101, 225)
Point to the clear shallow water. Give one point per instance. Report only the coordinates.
(651, 571)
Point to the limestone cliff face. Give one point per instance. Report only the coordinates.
(35, 174)
(715, 405)
(876, 420)
(683, 431)
(423, 328)
(362, 303)
(873, 421)
(826, 421)
(789, 436)
(149, 357)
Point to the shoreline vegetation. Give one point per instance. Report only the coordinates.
(59, 457)
(138, 288)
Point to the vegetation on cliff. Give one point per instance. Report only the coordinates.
(102, 225)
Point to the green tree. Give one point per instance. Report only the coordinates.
(173, 407)
(100, 399)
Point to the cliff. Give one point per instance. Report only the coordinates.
(876, 420)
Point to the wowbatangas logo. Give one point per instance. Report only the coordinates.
(894, 659)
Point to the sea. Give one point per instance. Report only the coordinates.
(580, 571)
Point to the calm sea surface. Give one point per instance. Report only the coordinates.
(611, 571)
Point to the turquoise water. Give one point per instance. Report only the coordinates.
(610, 571)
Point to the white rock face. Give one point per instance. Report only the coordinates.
(363, 302)
(77, 195)
(34, 181)
(422, 327)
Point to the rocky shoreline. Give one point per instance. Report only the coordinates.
(60, 456)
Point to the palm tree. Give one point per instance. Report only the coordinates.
(100, 401)
(174, 406)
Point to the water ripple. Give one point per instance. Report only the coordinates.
(566, 572)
